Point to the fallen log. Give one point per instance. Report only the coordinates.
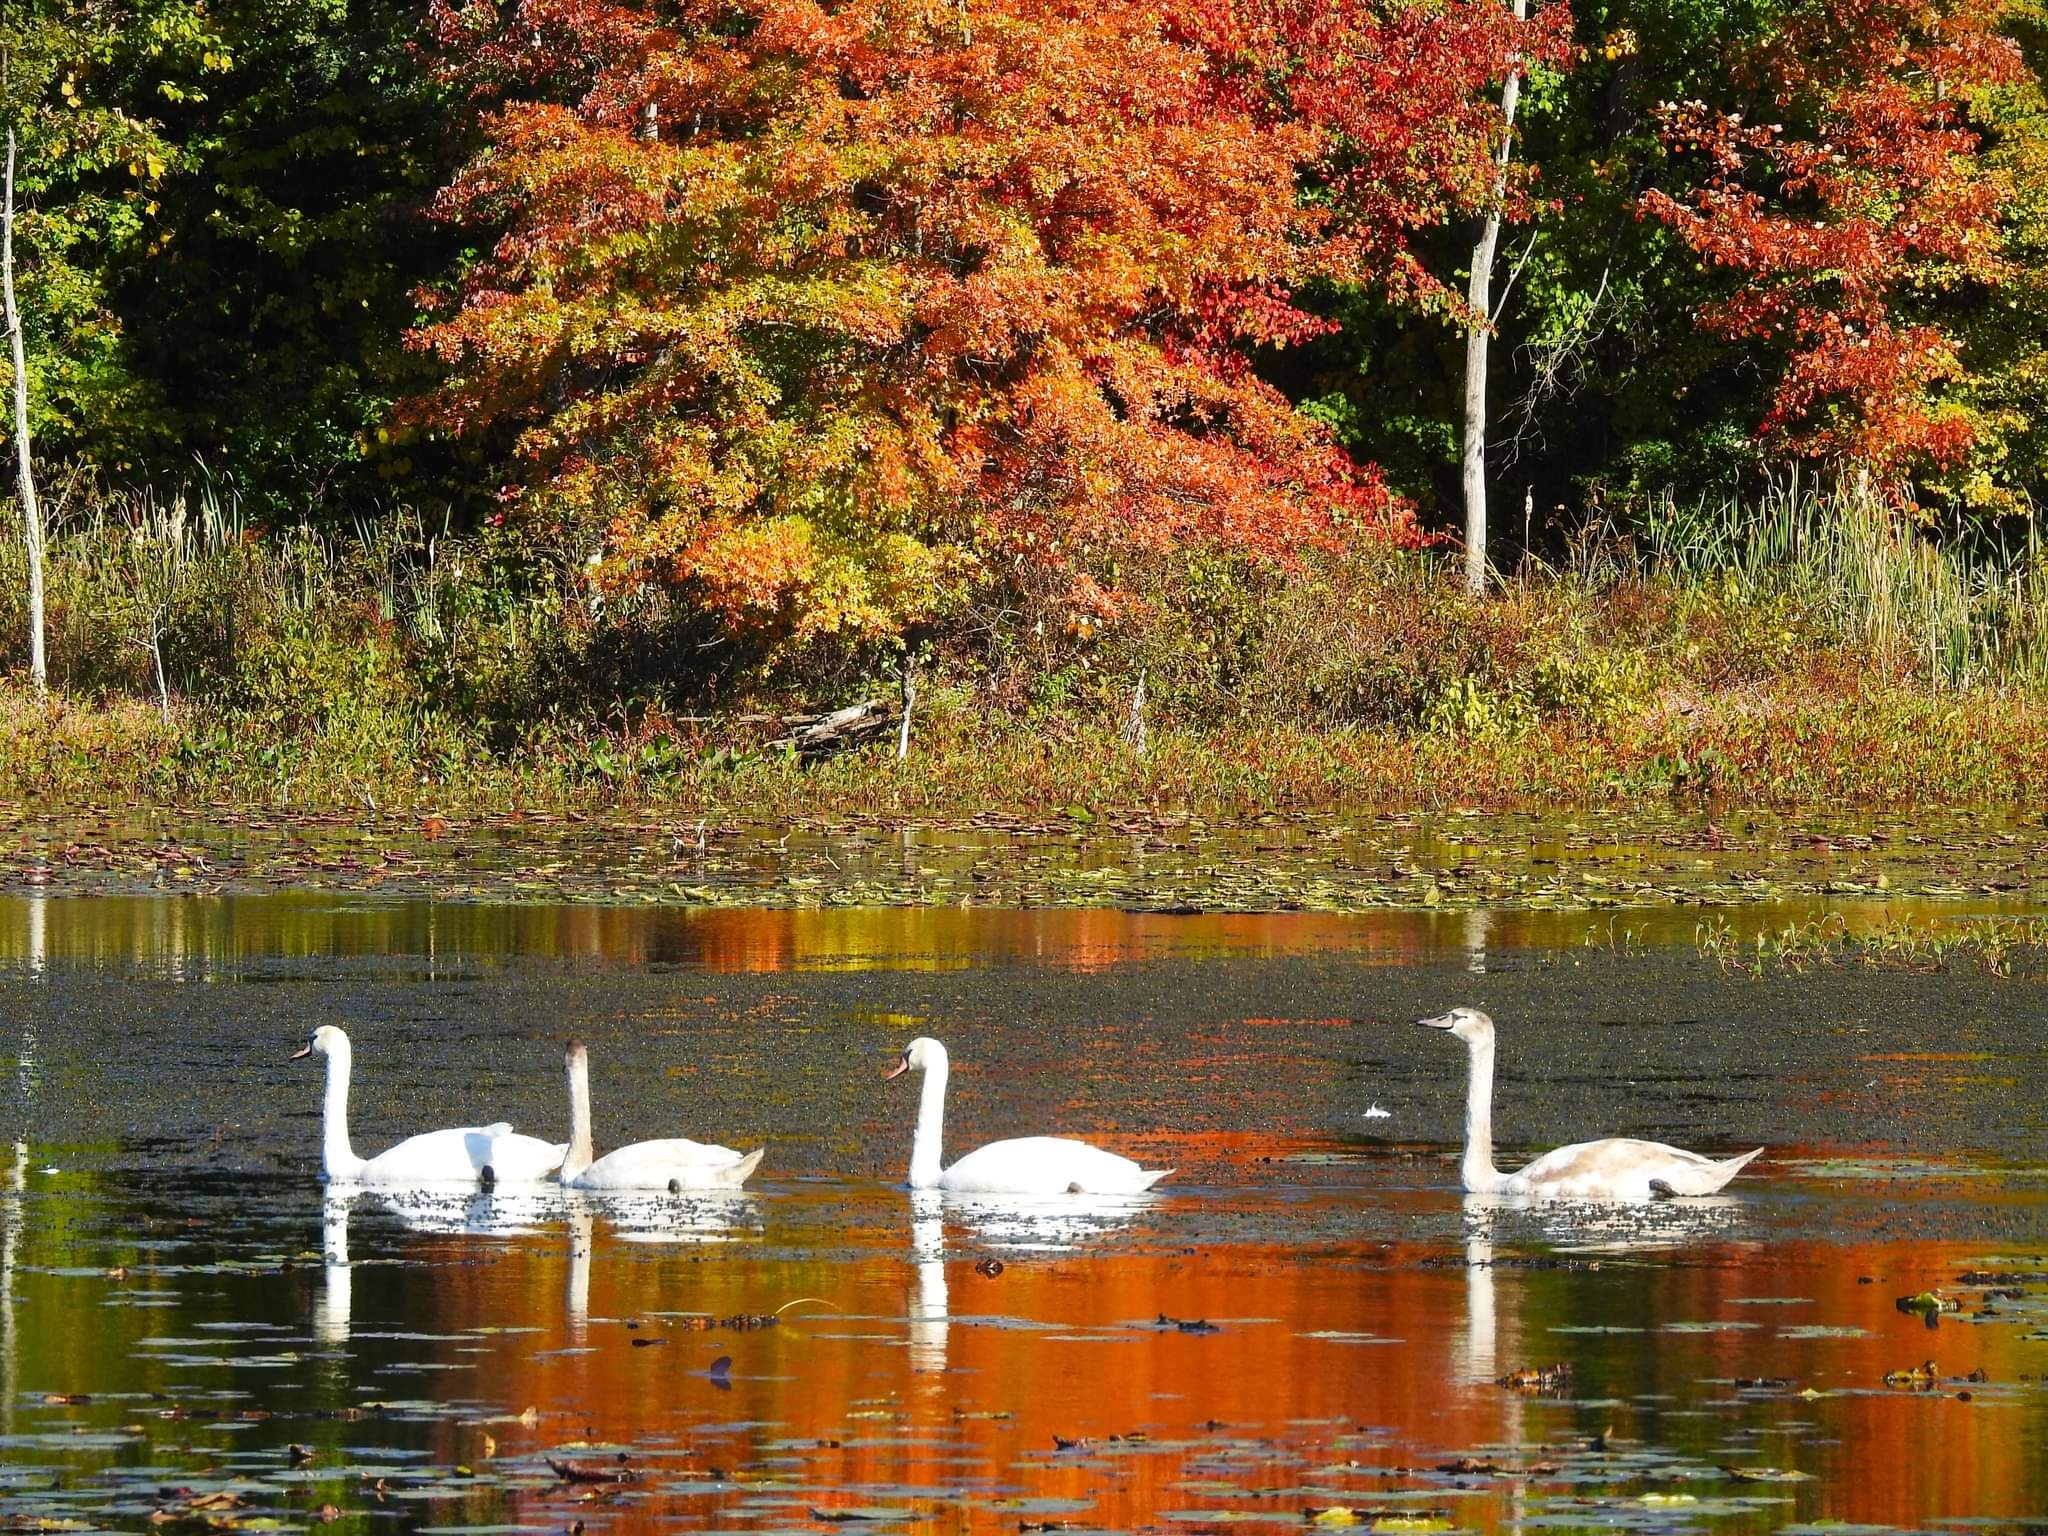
(816, 736)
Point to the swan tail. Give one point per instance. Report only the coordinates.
(741, 1171)
(1735, 1165)
(698, 1177)
(1711, 1178)
(1151, 1176)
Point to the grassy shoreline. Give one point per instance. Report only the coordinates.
(1885, 746)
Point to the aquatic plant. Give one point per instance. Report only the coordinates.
(1999, 945)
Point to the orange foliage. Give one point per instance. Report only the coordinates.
(818, 308)
(1874, 193)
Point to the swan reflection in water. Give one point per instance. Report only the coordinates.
(1567, 1228)
(928, 1295)
(582, 1238)
(501, 1213)
(1041, 1223)
(1573, 1226)
(1477, 1349)
(695, 1217)
(1050, 1223)
(332, 1307)
(698, 1216)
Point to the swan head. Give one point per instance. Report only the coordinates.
(574, 1052)
(1468, 1024)
(921, 1054)
(324, 1041)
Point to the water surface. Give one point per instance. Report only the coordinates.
(1309, 1317)
(1642, 860)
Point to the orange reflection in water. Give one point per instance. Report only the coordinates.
(210, 935)
(1332, 1377)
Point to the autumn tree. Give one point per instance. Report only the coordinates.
(1848, 216)
(811, 311)
(2004, 336)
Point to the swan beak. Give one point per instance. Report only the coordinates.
(1441, 1021)
(303, 1051)
(902, 1066)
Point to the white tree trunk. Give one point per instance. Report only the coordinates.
(31, 513)
(909, 699)
(1479, 295)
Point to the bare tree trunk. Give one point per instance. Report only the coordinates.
(156, 654)
(31, 513)
(1479, 295)
(909, 699)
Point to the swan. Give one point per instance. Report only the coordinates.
(1027, 1165)
(1619, 1168)
(675, 1164)
(469, 1154)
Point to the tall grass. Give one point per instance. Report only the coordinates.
(177, 595)
(1961, 612)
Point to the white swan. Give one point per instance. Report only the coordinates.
(469, 1154)
(674, 1165)
(1619, 1168)
(1028, 1165)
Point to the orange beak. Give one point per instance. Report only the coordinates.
(902, 1066)
(304, 1050)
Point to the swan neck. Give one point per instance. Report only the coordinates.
(580, 1152)
(1480, 1176)
(337, 1158)
(931, 1120)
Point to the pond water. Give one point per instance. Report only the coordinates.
(1306, 1328)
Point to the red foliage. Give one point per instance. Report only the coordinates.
(813, 303)
(1872, 194)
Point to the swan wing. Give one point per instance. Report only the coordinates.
(432, 1157)
(1046, 1165)
(676, 1161)
(1623, 1168)
(516, 1159)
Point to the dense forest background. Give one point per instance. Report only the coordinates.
(518, 362)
